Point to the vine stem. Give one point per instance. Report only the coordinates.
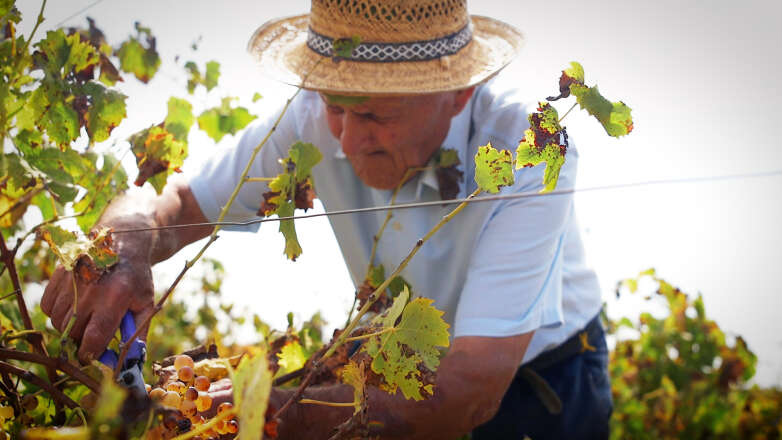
(323, 403)
(205, 427)
(567, 112)
(376, 237)
(259, 179)
(213, 236)
(369, 335)
(56, 363)
(32, 34)
(28, 376)
(24, 199)
(342, 338)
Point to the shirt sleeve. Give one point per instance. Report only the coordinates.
(515, 278)
(214, 184)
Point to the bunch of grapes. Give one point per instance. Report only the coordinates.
(188, 394)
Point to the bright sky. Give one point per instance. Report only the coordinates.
(702, 80)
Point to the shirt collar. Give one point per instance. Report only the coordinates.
(456, 139)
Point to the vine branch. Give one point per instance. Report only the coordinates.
(28, 376)
(60, 364)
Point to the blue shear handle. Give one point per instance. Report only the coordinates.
(136, 350)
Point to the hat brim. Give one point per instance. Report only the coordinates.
(281, 50)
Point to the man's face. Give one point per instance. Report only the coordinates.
(383, 137)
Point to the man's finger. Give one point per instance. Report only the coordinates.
(100, 328)
(50, 293)
(62, 306)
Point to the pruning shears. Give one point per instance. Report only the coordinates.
(130, 376)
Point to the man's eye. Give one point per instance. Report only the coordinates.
(334, 109)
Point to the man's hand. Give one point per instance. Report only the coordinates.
(100, 304)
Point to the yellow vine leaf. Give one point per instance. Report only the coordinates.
(406, 354)
(291, 357)
(252, 383)
(353, 374)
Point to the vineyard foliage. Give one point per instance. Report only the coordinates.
(675, 374)
(59, 104)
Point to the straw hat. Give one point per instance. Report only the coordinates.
(406, 47)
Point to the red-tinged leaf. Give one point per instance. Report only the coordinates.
(269, 204)
(545, 141)
(106, 111)
(88, 258)
(493, 169)
(158, 154)
(448, 175)
(305, 194)
(572, 75)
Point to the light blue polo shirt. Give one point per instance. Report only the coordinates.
(497, 269)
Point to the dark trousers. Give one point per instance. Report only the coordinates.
(580, 380)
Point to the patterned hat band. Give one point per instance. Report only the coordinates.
(393, 52)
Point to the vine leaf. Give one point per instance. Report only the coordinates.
(158, 154)
(493, 168)
(353, 374)
(541, 143)
(89, 258)
(615, 117)
(406, 354)
(208, 80)
(143, 62)
(293, 188)
(59, 55)
(572, 75)
(179, 118)
(252, 383)
(224, 119)
(106, 415)
(343, 47)
(375, 277)
(288, 230)
(102, 186)
(105, 113)
(291, 357)
(448, 175)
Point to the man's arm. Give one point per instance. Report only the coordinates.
(471, 381)
(127, 285)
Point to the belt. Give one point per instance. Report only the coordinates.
(576, 344)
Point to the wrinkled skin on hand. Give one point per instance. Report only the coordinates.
(101, 304)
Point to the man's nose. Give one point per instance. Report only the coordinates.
(356, 135)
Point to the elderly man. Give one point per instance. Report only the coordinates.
(528, 355)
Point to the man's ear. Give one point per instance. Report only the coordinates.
(461, 98)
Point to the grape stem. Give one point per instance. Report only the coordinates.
(205, 427)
